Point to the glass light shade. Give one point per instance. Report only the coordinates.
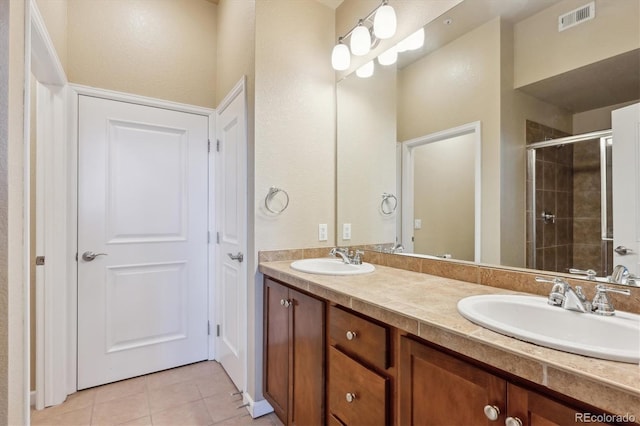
(388, 57)
(366, 70)
(413, 42)
(384, 23)
(360, 41)
(340, 57)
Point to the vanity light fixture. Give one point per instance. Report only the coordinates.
(389, 56)
(379, 24)
(366, 70)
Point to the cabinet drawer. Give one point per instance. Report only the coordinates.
(369, 341)
(369, 390)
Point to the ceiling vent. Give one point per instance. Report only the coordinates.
(577, 16)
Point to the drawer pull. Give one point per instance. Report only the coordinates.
(351, 335)
(284, 302)
(492, 412)
(352, 396)
(512, 421)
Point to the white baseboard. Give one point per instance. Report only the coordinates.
(32, 398)
(257, 408)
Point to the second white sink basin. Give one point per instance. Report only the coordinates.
(331, 266)
(532, 319)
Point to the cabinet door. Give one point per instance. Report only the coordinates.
(307, 369)
(438, 389)
(534, 409)
(276, 347)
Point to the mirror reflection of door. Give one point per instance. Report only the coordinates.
(441, 193)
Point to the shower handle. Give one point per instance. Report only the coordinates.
(622, 250)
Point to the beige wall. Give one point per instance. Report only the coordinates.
(444, 194)
(13, 348)
(458, 84)
(596, 119)
(54, 14)
(294, 137)
(581, 45)
(161, 49)
(366, 149)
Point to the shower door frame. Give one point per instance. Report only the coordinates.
(603, 136)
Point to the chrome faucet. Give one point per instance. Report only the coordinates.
(563, 295)
(342, 252)
(621, 275)
(601, 303)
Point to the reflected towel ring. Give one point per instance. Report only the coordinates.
(385, 198)
(272, 193)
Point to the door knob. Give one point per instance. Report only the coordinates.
(512, 421)
(350, 397)
(239, 257)
(88, 256)
(351, 335)
(622, 250)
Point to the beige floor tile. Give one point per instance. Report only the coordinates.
(120, 389)
(74, 402)
(222, 407)
(142, 421)
(121, 410)
(81, 417)
(189, 414)
(216, 384)
(180, 374)
(172, 395)
(247, 420)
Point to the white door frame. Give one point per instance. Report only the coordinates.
(474, 128)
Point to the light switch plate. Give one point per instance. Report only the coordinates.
(417, 224)
(346, 231)
(322, 232)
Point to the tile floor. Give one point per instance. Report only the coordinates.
(196, 394)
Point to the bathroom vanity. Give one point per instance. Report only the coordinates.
(389, 347)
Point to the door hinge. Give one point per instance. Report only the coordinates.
(208, 328)
(217, 238)
(208, 145)
(217, 145)
(208, 237)
(39, 260)
(218, 330)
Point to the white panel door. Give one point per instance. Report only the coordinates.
(231, 217)
(626, 184)
(142, 210)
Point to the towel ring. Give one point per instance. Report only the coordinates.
(385, 198)
(272, 193)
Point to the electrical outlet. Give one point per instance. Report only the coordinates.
(322, 232)
(346, 231)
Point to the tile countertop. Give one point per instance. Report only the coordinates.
(426, 306)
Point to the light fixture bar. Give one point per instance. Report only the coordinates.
(366, 18)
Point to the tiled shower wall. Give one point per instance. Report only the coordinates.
(554, 194)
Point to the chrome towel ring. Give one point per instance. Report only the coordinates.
(273, 191)
(387, 210)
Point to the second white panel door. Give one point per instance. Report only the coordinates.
(142, 240)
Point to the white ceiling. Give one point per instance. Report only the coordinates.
(333, 4)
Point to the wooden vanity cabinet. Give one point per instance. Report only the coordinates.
(294, 348)
(360, 373)
(439, 389)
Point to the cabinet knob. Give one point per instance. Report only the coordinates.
(512, 421)
(352, 396)
(351, 335)
(284, 302)
(492, 412)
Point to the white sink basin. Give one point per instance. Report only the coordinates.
(331, 266)
(531, 319)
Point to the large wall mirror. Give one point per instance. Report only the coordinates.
(509, 68)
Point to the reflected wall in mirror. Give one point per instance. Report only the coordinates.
(499, 62)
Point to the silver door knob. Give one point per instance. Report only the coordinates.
(622, 250)
(286, 303)
(350, 397)
(239, 257)
(492, 412)
(88, 256)
(512, 421)
(351, 335)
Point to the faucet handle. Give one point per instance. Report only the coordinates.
(356, 259)
(601, 304)
(558, 292)
(590, 273)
